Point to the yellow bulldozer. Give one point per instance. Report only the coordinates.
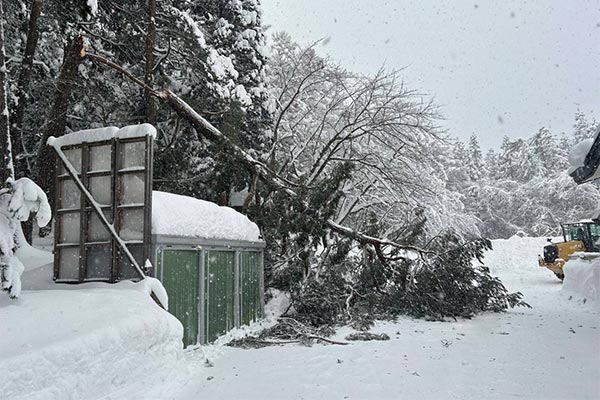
(579, 237)
(583, 236)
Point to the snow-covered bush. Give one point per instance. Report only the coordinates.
(17, 202)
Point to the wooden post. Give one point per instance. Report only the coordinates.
(83, 218)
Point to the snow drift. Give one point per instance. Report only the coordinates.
(582, 279)
(508, 254)
(67, 344)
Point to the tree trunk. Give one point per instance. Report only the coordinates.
(57, 119)
(22, 162)
(7, 164)
(149, 76)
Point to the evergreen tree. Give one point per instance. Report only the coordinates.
(583, 129)
(546, 152)
(239, 30)
(564, 147)
(456, 173)
(475, 166)
(491, 164)
(516, 160)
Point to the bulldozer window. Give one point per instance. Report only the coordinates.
(594, 238)
(571, 232)
(576, 232)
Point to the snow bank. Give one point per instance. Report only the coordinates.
(514, 253)
(582, 279)
(100, 134)
(68, 344)
(176, 215)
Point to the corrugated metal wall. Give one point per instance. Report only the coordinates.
(180, 272)
(219, 294)
(211, 291)
(250, 287)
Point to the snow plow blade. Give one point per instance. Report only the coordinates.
(556, 254)
(556, 266)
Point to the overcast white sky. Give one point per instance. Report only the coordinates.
(496, 67)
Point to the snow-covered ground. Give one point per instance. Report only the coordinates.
(74, 344)
(551, 351)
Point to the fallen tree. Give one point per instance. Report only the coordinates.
(436, 280)
(206, 130)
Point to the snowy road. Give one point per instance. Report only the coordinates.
(551, 351)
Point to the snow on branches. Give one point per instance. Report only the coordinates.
(22, 198)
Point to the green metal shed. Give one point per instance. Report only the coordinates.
(210, 261)
(109, 222)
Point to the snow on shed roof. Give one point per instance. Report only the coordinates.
(176, 215)
(101, 134)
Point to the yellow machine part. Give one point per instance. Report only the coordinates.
(565, 250)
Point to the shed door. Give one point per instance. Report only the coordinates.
(219, 305)
(250, 307)
(180, 270)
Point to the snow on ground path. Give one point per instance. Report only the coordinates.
(551, 351)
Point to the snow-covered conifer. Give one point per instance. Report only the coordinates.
(475, 166)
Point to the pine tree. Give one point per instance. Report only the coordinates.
(239, 31)
(457, 176)
(583, 129)
(564, 147)
(238, 36)
(491, 164)
(546, 152)
(229, 90)
(475, 166)
(516, 161)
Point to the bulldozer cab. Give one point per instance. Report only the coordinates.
(587, 231)
(582, 236)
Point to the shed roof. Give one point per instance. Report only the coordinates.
(183, 216)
